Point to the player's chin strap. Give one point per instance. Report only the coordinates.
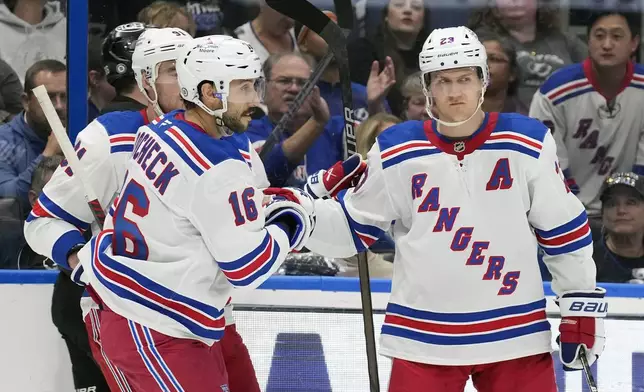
(429, 102)
(155, 101)
(218, 114)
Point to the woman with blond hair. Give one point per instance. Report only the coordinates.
(368, 130)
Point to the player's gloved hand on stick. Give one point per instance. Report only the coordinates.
(343, 175)
(293, 210)
(582, 324)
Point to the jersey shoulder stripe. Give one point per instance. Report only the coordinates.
(121, 128)
(638, 77)
(517, 133)
(199, 151)
(404, 141)
(465, 328)
(200, 318)
(566, 83)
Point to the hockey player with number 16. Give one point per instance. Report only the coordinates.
(473, 195)
(190, 225)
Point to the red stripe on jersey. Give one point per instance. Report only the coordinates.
(39, 211)
(122, 138)
(564, 239)
(132, 285)
(253, 266)
(405, 147)
(516, 137)
(469, 328)
(187, 146)
(571, 87)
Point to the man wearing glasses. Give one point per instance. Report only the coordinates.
(313, 139)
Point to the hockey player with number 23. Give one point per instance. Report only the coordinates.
(473, 195)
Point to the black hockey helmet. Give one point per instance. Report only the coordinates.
(118, 48)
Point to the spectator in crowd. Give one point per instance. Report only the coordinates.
(100, 91)
(500, 95)
(534, 31)
(208, 16)
(118, 49)
(27, 139)
(10, 92)
(28, 259)
(367, 100)
(594, 110)
(312, 140)
(400, 37)
(269, 33)
(414, 100)
(31, 30)
(619, 249)
(368, 131)
(168, 14)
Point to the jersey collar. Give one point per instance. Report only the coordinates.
(181, 116)
(588, 72)
(460, 148)
(144, 113)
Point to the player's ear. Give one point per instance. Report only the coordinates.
(210, 97)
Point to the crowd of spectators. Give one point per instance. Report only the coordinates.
(525, 42)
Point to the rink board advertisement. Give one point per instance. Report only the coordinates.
(304, 334)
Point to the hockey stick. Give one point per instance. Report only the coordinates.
(276, 134)
(310, 16)
(590, 379)
(60, 133)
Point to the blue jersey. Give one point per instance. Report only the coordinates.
(325, 151)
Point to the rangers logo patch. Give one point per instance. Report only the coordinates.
(459, 146)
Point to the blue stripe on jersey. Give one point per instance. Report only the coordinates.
(182, 153)
(521, 125)
(577, 93)
(401, 133)
(57, 211)
(424, 337)
(359, 228)
(147, 284)
(562, 76)
(389, 162)
(122, 148)
(465, 317)
(575, 223)
(510, 146)
(63, 245)
(636, 86)
(121, 123)
(247, 260)
(638, 169)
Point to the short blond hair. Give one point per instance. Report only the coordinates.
(163, 14)
(367, 131)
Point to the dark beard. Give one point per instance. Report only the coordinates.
(233, 124)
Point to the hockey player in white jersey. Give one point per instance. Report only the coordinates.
(594, 109)
(57, 225)
(473, 195)
(189, 226)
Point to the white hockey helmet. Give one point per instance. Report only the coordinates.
(220, 60)
(451, 48)
(153, 47)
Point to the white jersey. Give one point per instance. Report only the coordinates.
(61, 215)
(469, 217)
(188, 227)
(594, 137)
